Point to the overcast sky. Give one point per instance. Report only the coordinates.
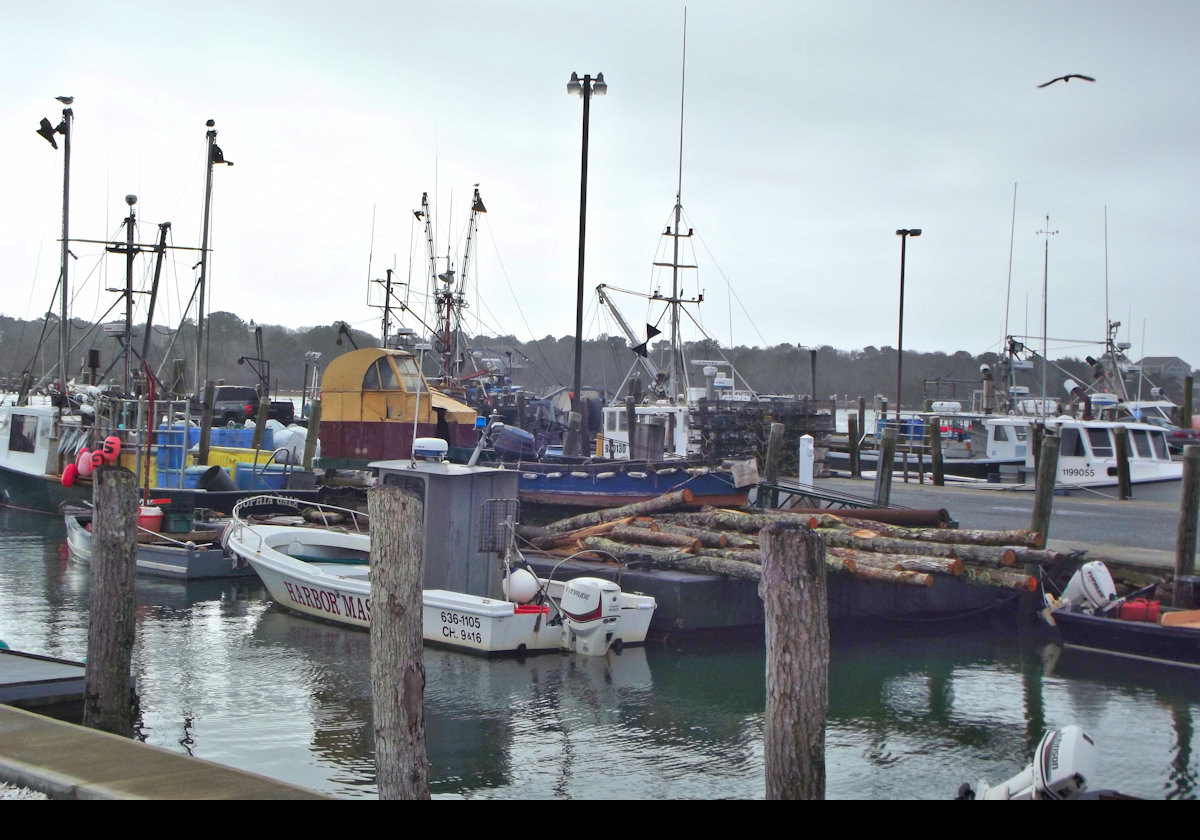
(811, 133)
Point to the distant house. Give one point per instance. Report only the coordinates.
(1165, 366)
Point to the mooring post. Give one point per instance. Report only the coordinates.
(1121, 451)
(112, 602)
(883, 469)
(862, 416)
(631, 425)
(312, 434)
(1185, 408)
(937, 470)
(206, 418)
(260, 423)
(1185, 544)
(1047, 475)
(521, 416)
(397, 663)
(571, 435)
(852, 445)
(796, 609)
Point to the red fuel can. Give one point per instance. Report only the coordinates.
(1140, 609)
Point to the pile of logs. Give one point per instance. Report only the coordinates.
(656, 534)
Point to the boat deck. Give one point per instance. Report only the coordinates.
(28, 678)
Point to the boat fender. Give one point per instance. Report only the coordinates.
(554, 475)
(529, 476)
(605, 475)
(69, 474)
(667, 471)
(111, 449)
(637, 475)
(579, 474)
(98, 459)
(84, 462)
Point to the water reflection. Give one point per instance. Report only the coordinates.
(227, 676)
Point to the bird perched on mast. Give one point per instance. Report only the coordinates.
(1067, 78)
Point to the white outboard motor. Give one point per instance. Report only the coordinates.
(1062, 764)
(591, 611)
(1090, 589)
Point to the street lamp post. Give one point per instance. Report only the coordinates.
(903, 234)
(584, 88)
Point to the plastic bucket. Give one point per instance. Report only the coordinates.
(150, 518)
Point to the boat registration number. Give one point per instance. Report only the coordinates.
(461, 628)
(1080, 472)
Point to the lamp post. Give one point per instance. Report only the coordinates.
(584, 88)
(903, 234)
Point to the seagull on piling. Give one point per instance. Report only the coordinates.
(1068, 78)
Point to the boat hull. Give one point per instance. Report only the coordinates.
(613, 485)
(1140, 640)
(183, 559)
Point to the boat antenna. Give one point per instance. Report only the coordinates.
(1012, 231)
(1045, 276)
(676, 349)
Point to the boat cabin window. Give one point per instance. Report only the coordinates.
(1101, 442)
(1140, 443)
(379, 377)
(410, 375)
(22, 434)
(1071, 444)
(614, 421)
(1159, 441)
(1001, 433)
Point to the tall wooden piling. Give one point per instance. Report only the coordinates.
(313, 432)
(206, 418)
(883, 470)
(571, 437)
(1047, 475)
(852, 446)
(796, 609)
(1185, 543)
(1185, 408)
(862, 415)
(938, 471)
(397, 662)
(107, 704)
(1121, 451)
(260, 423)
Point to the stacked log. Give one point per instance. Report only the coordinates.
(725, 542)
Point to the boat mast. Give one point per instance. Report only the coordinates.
(1045, 275)
(214, 156)
(677, 368)
(64, 325)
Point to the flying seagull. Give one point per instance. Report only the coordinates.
(1068, 78)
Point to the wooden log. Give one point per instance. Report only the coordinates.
(950, 566)
(796, 609)
(992, 556)
(931, 518)
(742, 555)
(397, 663)
(890, 545)
(644, 536)
(631, 553)
(559, 540)
(1038, 557)
(677, 498)
(706, 538)
(957, 536)
(1002, 578)
(112, 602)
(896, 576)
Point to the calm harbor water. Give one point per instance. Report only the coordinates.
(915, 710)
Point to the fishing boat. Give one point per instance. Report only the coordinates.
(478, 594)
(180, 546)
(53, 425)
(1089, 616)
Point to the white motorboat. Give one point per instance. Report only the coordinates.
(324, 572)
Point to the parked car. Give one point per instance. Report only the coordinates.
(238, 403)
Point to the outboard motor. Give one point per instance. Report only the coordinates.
(1091, 589)
(1062, 764)
(591, 610)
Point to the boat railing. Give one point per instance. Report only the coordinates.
(317, 513)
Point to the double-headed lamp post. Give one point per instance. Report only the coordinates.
(584, 88)
(903, 234)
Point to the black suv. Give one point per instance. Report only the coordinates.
(231, 404)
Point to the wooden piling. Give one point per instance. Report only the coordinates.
(852, 446)
(260, 423)
(935, 452)
(631, 425)
(1185, 543)
(796, 608)
(1047, 475)
(1121, 451)
(1185, 408)
(206, 412)
(397, 663)
(521, 418)
(313, 433)
(883, 470)
(571, 438)
(112, 602)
